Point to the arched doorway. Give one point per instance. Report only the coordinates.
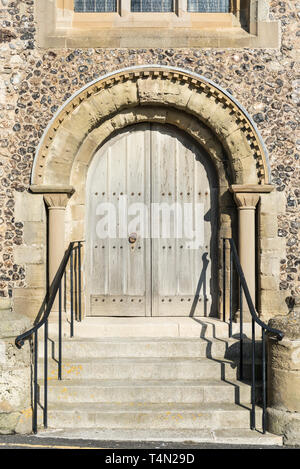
(151, 226)
(168, 96)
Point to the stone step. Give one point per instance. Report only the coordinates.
(230, 436)
(100, 327)
(147, 347)
(147, 368)
(149, 416)
(147, 391)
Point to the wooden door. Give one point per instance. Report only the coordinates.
(182, 179)
(119, 272)
(161, 260)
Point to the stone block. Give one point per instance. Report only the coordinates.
(15, 373)
(87, 149)
(126, 117)
(29, 207)
(202, 106)
(34, 233)
(269, 282)
(176, 95)
(28, 301)
(222, 123)
(273, 203)
(124, 94)
(269, 265)
(271, 246)
(271, 300)
(268, 226)
(78, 212)
(104, 102)
(284, 377)
(77, 230)
(29, 255)
(36, 275)
(152, 90)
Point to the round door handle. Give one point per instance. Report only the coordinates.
(132, 238)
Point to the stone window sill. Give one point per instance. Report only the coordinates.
(61, 28)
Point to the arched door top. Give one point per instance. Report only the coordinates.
(107, 103)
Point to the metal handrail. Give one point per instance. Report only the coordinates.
(234, 259)
(51, 297)
(54, 289)
(278, 334)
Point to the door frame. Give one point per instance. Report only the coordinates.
(151, 297)
(165, 94)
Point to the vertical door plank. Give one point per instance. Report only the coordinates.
(120, 281)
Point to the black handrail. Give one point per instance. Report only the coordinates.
(234, 259)
(55, 287)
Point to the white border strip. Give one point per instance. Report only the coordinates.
(163, 67)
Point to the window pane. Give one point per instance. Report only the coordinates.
(95, 5)
(209, 6)
(152, 5)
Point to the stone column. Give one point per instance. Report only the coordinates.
(247, 197)
(246, 204)
(56, 198)
(284, 378)
(56, 204)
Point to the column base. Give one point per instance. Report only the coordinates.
(285, 423)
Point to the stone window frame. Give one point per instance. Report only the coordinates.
(59, 26)
(123, 7)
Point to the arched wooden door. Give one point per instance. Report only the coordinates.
(151, 226)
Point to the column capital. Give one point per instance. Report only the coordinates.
(246, 201)
(58, 201)
(252, 188)
(52, 188)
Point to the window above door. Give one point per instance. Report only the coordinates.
(198, 6)
(156, 23)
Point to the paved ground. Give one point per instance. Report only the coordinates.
(34, 442)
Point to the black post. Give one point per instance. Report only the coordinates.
(241, 335)
(59, 332)
(79, 280)
(231, 288)
(253, 378)
(264, 380)
(224, 279)
(76, 284)
(46, 375)
(35, 382)
(71, 295)
(65, 290)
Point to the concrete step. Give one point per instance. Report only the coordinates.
(230, 436)
(147, 347)
(147, 391)
(96, 327)
(148, 368)
(149, 416)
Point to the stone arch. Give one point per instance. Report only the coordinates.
(129, 117)
(153, 94)
(98, 105)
